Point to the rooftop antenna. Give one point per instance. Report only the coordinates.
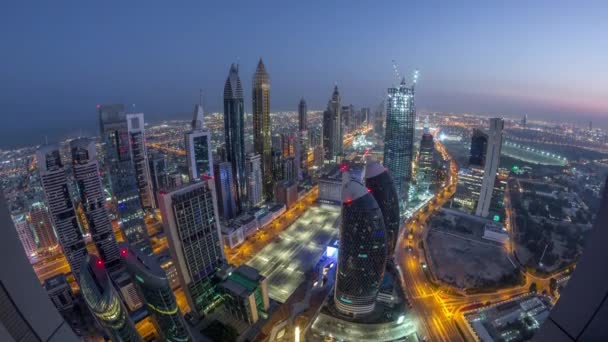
(200, 97)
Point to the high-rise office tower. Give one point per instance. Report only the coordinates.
(399, 136)
(117, 145)
(328, 141)
(159, 175)
(253, 166)
(334, 107)
(55, 185)
(303, 134)
(152, 283)
(380, 184)
(25, 234)
(425, 160)
(198, 147)
(225, 188)
(190, 219)
(347, 118)
(479, 145)
(139, 154)
(104, 302)
(363, 250)
(234, 133)
(261, 124)
(491, 166)
(26, 312)
(86, 174)
(365, 115)
(41, 222)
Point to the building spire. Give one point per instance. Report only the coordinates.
(198, 115)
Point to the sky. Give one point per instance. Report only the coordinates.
(547, 59)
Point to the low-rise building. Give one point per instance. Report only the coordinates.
(495, 233)
(246, 294)
(60, 292)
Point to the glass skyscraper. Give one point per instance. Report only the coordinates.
(198, 147)
(86, 175)
(399, 137)
(261, 125)
(55, 184)
(380, 184)
(234, 132)
(190, 219)
(121, 171)
(363, 250)
(104, 302)
(152, 283)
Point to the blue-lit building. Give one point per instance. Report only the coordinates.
(399, 136)
(152, 283)
(121, 171)
(225, 190)
(198, 147)
(363, 251)
(380, 184)
(104, 302)
(234, 133)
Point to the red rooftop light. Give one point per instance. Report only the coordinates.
(369, 190)
(99, 263)
(123, 252)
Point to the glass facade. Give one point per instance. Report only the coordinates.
(479, 143)
(363, 251)
(104, 302)
(399, 136)
(234, 133)
(121, 171)
(261, 125)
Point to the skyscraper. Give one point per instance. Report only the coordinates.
(261, 125)
(139, 154)
(41, 222)
(425, 160)
(152, 283)
(86, 175)
(328, 141)
(55, 185)
(26, 312)
(104, 302)
(380, 184)
(491, 166)
(225, 190)
(117, 145)
(190, 219)
(25, 234)
(363, 250)
(303, 134)
(334, 107)
(159, 175)
(479, 145)
(234, 133)
(399, 136)
(198, 147)
(253, 167)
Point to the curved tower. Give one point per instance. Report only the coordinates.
(151, 281)
(380, 184)
(104, 302)
(234, 132)
(362, 258)
(261, 125)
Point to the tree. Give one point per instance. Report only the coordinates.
(553, 285)
(533, 287)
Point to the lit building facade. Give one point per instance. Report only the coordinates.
(121, 171)
(159, 176)
(234, 133)
(363, 251)
(261, 125)
(426, 172)
(198, 147)
(104, 302)
(190, 219)
(25, 234)
(491, 166)
(153, 285)
(246, 293)
(380, 184)
(253, 167)
(41, 222)
(55, 184)
(225, 188)
(399, 136)
(86, 174)
(332, 127)
(139, 155)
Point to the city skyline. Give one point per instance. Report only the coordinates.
(530, 74)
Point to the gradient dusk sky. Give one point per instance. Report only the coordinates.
(548, 59)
